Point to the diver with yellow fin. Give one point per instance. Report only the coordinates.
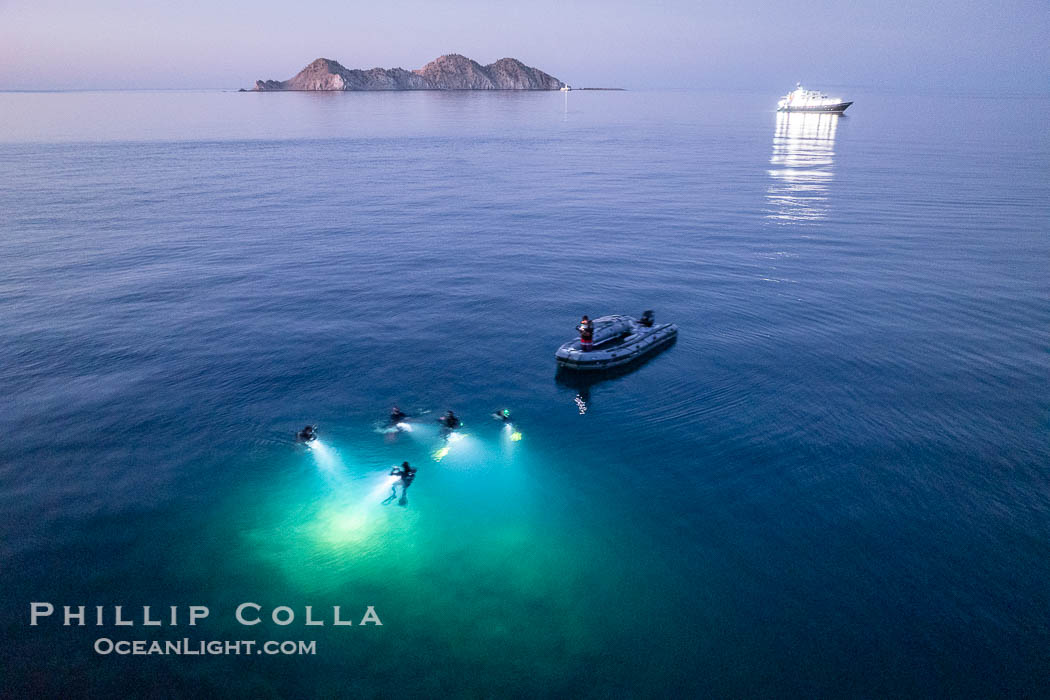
(512, 429)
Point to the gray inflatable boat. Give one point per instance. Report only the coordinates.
(617, 340)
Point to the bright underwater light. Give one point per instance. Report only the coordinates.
(343, 524)
(452, 439)
(383, 486)
(352, 516)
(326, 457)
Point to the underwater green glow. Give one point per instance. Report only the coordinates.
(342, 521)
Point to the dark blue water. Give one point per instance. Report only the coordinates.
(835, 483)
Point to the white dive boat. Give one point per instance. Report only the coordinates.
(802, 100)
(616, 341)
(566, 88)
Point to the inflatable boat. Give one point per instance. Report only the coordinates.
(616, 341)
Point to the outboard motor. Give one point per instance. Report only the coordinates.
(647, 319)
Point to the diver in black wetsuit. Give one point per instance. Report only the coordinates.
(307, 434)
(503, 415)
(450, 421)
(407, 474)
(397, 415)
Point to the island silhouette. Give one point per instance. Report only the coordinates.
(449, 72)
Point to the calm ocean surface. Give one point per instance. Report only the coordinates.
(837, 482)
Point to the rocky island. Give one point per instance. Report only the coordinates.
(451, 72)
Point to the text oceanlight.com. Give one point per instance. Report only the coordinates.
(189, 647)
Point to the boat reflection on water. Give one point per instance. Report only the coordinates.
(582, 382)
(803, 160)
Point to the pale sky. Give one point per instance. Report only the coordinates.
(965, 45)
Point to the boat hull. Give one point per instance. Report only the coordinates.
(636, 346)
(838, 108)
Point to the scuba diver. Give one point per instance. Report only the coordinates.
(307, 434)
(407, 474)
(586, 329)
(450, 421)
(510, 429)
(647, 319)
(397, 415)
